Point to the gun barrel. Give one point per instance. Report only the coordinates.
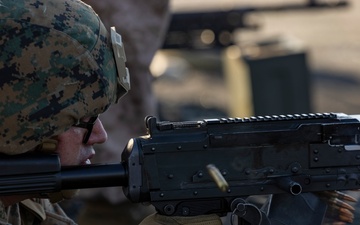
(93, 176)
(289, 185)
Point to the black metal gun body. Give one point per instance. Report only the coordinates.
(169, 167)
(256, 156)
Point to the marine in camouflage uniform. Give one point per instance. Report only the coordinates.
(57, 66)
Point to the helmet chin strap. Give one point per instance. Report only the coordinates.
(62, 195)
(47, 146)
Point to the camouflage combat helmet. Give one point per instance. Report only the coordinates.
(57, 65)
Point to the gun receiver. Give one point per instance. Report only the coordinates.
(255, 156)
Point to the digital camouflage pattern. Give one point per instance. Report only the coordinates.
(34, 211)
(56, 66)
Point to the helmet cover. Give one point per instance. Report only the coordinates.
(56, 67)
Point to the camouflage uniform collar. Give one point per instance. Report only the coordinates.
(35, 208)
(3, 218)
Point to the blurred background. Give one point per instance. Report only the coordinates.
(241, 58)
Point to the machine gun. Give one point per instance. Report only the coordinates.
(210, 166)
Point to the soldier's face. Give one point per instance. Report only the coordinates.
(72, 150)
